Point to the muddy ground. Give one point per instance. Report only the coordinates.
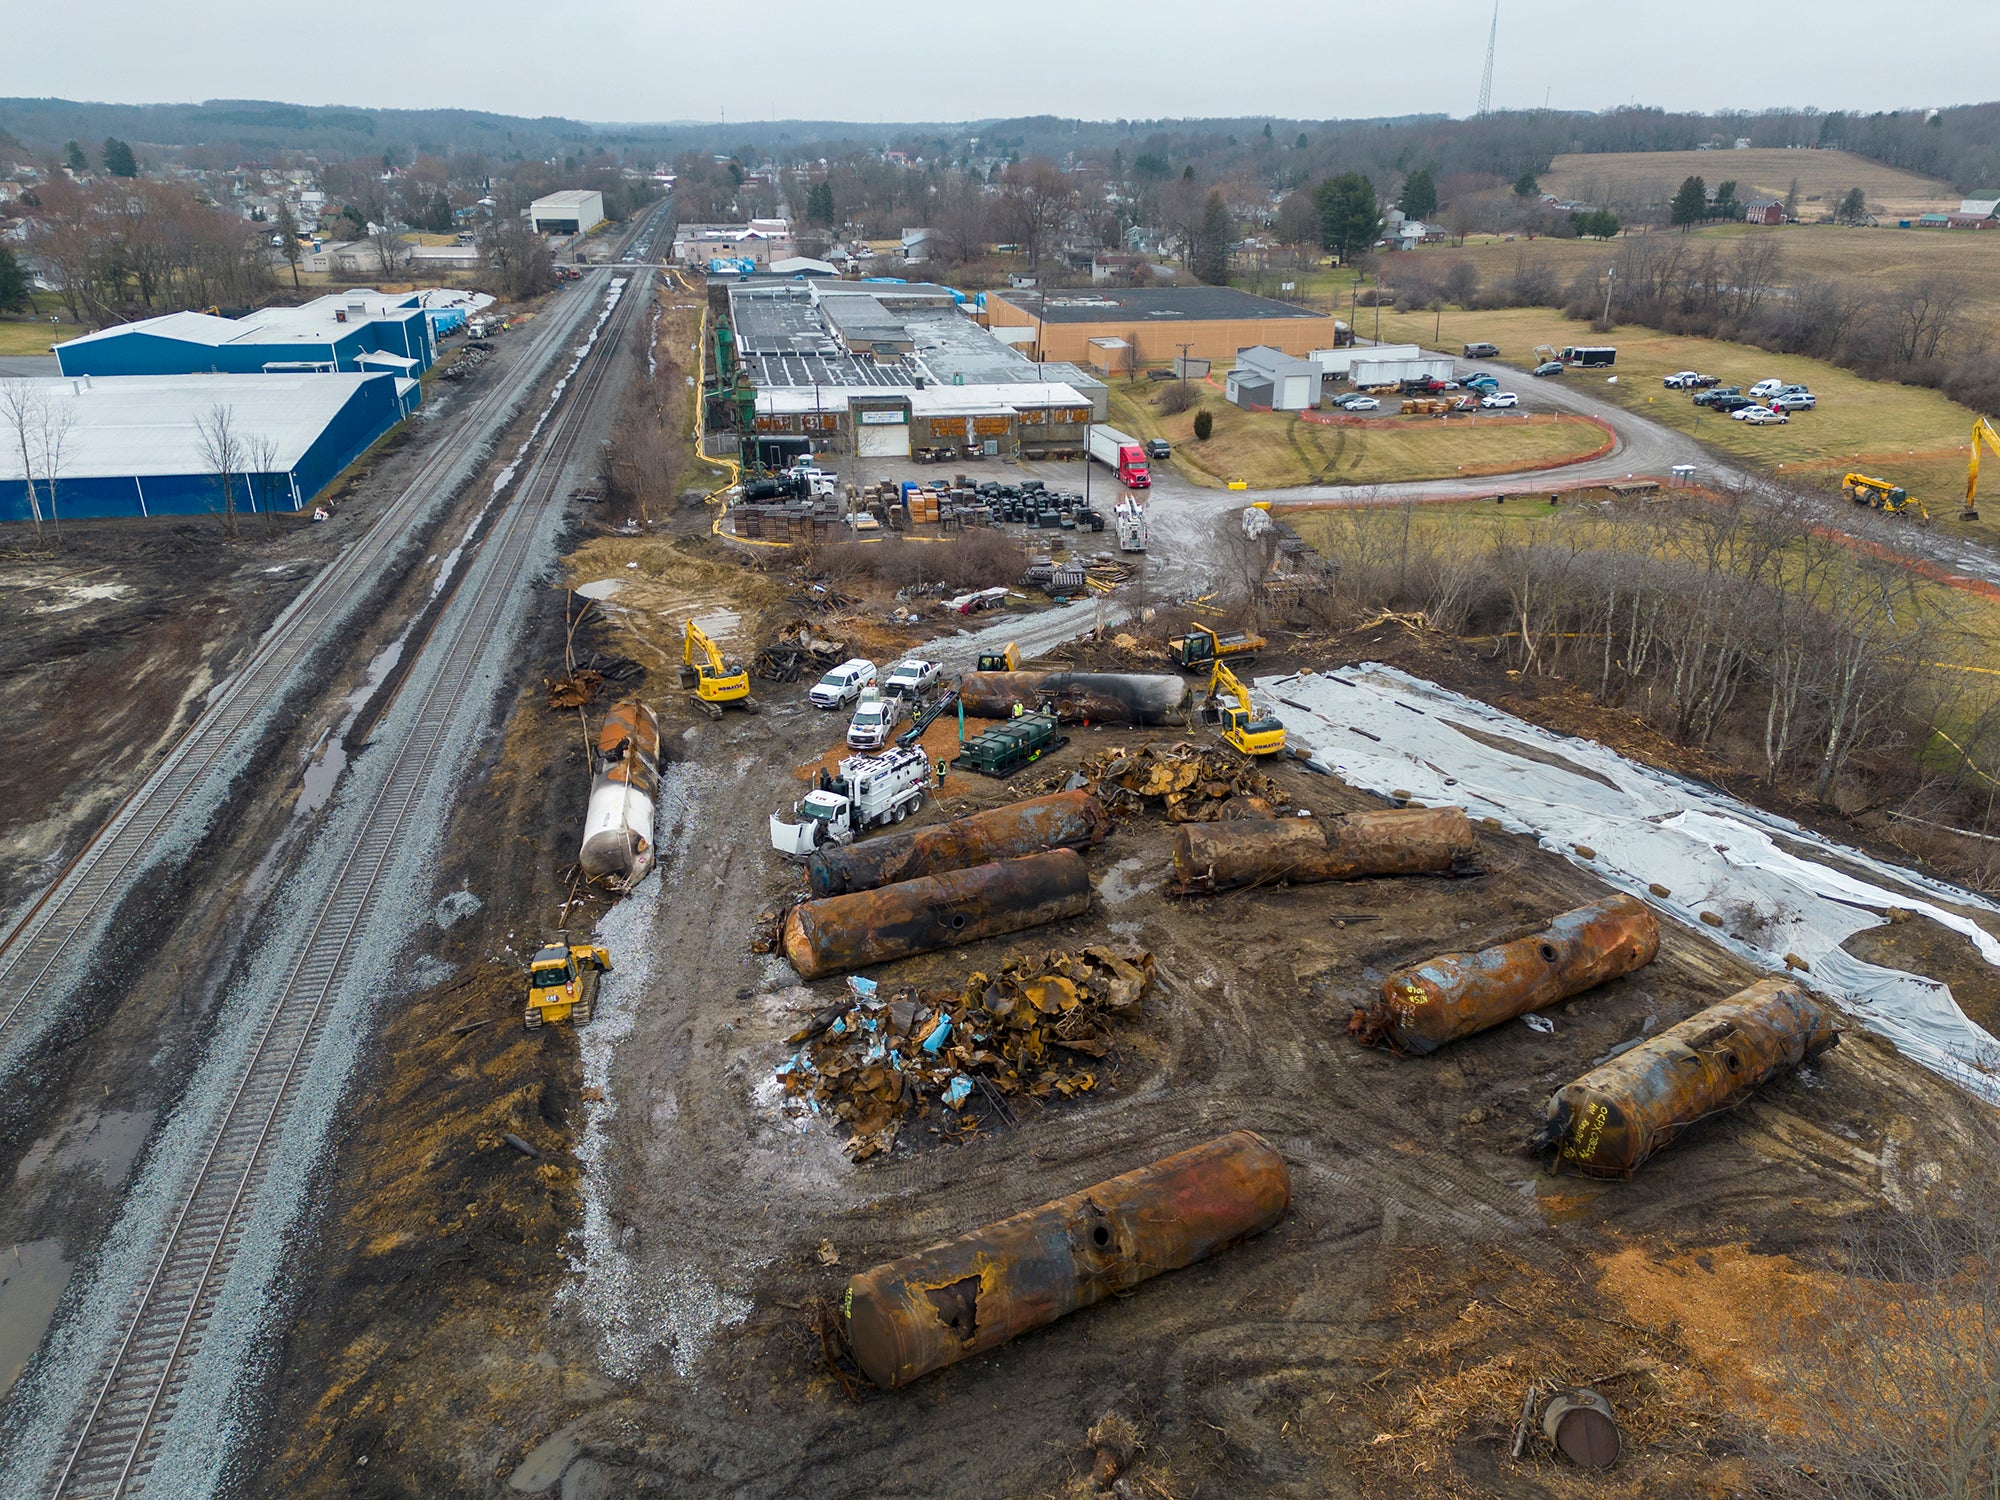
(630, 1312)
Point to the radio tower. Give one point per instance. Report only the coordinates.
(1486, 83)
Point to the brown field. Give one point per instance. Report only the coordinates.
(1651, 176)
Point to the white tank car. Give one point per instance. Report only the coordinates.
(618, 829)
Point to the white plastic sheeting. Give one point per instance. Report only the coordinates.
(1779, 888)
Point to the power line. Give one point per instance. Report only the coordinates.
(1486, 83)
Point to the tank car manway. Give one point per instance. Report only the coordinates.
(113, 1441)
(194, 777)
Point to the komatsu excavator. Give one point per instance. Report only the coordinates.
(1982, 432)
(1241, 725)
(714, 682)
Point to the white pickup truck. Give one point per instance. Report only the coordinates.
(870, 790)
(875, 718)
(911, 677)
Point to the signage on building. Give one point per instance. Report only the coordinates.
(884, 418)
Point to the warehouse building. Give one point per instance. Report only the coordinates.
(353, 332)
(134, 445)
(574, 211)
(887, 369)
(1119, 331)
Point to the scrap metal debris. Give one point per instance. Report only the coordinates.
(1189, 783)
(1033, 1030)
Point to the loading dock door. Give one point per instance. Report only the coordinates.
(884, 440)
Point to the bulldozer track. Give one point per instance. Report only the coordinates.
(115, 1437)
(208, 756)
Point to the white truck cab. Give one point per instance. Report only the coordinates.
(870, 790)
(843, 684)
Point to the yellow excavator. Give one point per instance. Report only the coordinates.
(1982, 432)
(1891, 499)
(1241, 725)
(715, 683)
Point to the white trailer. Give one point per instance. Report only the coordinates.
(1131, 522)
(1341, 362)
(870, 790)
(1376, 373)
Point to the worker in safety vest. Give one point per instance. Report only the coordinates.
(1017, 708)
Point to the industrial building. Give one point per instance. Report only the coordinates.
(1274, 380)
(1118, 331)
(134, 445)
(354, 332)
(571, 212)
(758, 242)
(888, 370)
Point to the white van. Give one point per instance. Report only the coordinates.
(843, 684)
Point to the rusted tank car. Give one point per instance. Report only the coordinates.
(1065, 820)
(618, 828)
(1457, 994)
(1612, 1118)
(841, 933)
(938, 1306)
(1080, 697)
(1261, 851)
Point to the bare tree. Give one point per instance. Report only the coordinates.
(1039, 199)
(21, 405)
(392, 251)
(265, 476)
(223, 451)
(1921, 313)
(52, 448)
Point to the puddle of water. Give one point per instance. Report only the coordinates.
(601, 588)
(105, 1141)
(317, 784)
(32, 1278)
(719, 624)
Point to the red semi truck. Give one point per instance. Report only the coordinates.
(1110, 446)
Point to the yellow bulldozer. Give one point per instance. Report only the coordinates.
(715, 683)
(1228, 704)
(562, 981)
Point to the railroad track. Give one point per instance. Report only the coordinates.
(111, 1444)
(196, 772)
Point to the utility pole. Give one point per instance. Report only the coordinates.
(1184, 364)
(1610, 280)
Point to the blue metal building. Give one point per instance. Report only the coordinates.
(344, 331)
(134, 444)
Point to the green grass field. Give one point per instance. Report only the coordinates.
(1274, 449)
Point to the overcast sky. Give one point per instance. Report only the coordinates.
(900, 60)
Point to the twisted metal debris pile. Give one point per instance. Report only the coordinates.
(1033, 1030)
(1189, 783)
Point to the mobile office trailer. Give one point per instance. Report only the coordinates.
(1590, 358)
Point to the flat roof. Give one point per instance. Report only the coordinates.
(312, 322)
(1195, 304)
(931, 401)
(567, 198)
(146, 424)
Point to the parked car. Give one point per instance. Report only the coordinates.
(1682, 380)
(1794, 401)
(1731, 404)
(876, 716)
(1500, 399)
(1484, 384)
(1719, 394)
(1482, 351)
(1763, 390)
(911, 677)
(1158, 448)
(1550, 367)
(1358, 402)
(1759, 416)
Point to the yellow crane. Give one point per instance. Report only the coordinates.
(713, 681)
(1982, 432)
(1241, 725)
(1892, 499)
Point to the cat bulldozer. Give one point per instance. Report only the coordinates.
(562, 981)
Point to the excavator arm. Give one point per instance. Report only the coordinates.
(1982, 432)
(713, 680)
